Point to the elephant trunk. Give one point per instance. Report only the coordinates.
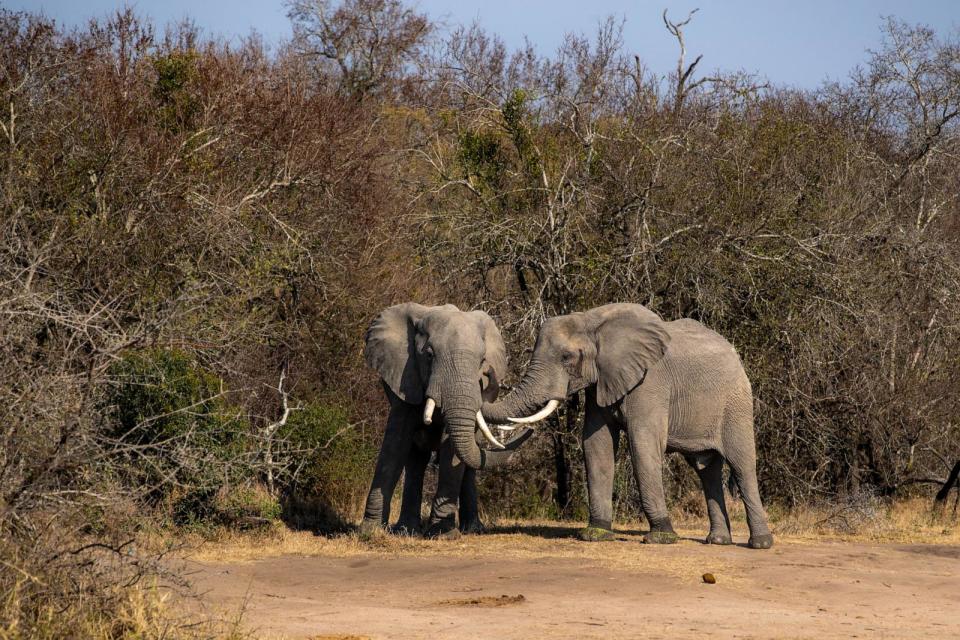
(533, 392)
(460, 403)
(461, 428)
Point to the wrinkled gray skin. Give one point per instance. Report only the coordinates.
(671, 386)
(456, 358)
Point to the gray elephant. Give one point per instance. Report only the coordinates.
(671, 386)
(437, 364)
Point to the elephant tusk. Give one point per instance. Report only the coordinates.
(428, 411)
(504, 427)
(538, 416)
(485, 430)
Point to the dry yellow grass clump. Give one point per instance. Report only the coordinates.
(141, 611)
(509, 540)
(910, 521)
(904, 521)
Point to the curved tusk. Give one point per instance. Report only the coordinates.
(539, 415)
(485, 430)
(428, 411)
(504, 427)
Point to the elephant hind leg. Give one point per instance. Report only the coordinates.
(743, 464)
(709, 468)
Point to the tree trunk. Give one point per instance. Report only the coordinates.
(952, 480)
(564, 473)
(562, 469)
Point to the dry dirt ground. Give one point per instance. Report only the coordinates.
(539, 582)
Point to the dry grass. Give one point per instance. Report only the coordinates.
(907, 521)
(524, 540)
(142, 612)
(910, 521)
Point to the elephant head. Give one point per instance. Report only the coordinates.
(445, 359)
(611, 347)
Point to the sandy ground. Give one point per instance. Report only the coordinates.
(539, 583)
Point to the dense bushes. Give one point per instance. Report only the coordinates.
(171, 419)
(175, 434)
(338, 470)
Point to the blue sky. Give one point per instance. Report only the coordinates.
(797, 42)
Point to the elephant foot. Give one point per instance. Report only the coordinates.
(661, 532)
(764, 541)
(445, 529)
(370, 529)
(660, 537)
(719, 538)
(595, 534)
(474, 527)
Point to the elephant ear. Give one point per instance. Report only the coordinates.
(494, 357)
(391, 350)
(628, 344)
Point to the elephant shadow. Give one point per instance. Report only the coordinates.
(547, 531)
(559, 531)
(639, 533)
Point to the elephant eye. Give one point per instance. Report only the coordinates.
(428, 351)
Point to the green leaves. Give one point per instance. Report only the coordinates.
(177, 105)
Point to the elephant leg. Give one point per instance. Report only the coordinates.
(469, 510)
(600, 440)
(647, 448)
(443, 511)
(743, 463)
(413, 471)
(710, 470)
(393, 454)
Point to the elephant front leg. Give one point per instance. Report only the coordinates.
(443, 511)
(647, 449)
(600, 440)
(469, 508)
(413, 472)
(393, 454)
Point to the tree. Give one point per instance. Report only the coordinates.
(372, 45)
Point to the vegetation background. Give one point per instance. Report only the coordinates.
(196, 234)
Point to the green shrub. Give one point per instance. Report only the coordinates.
(170, 418)
(340, 461)
(480, 155)
(176, 73)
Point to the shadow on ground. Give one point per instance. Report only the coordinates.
(553, 531)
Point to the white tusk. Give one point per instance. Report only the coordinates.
(428, 411)
(485, 430)
(504, 427)
(538, 416)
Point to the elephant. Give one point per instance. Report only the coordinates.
(436, 365)
(671, 386)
